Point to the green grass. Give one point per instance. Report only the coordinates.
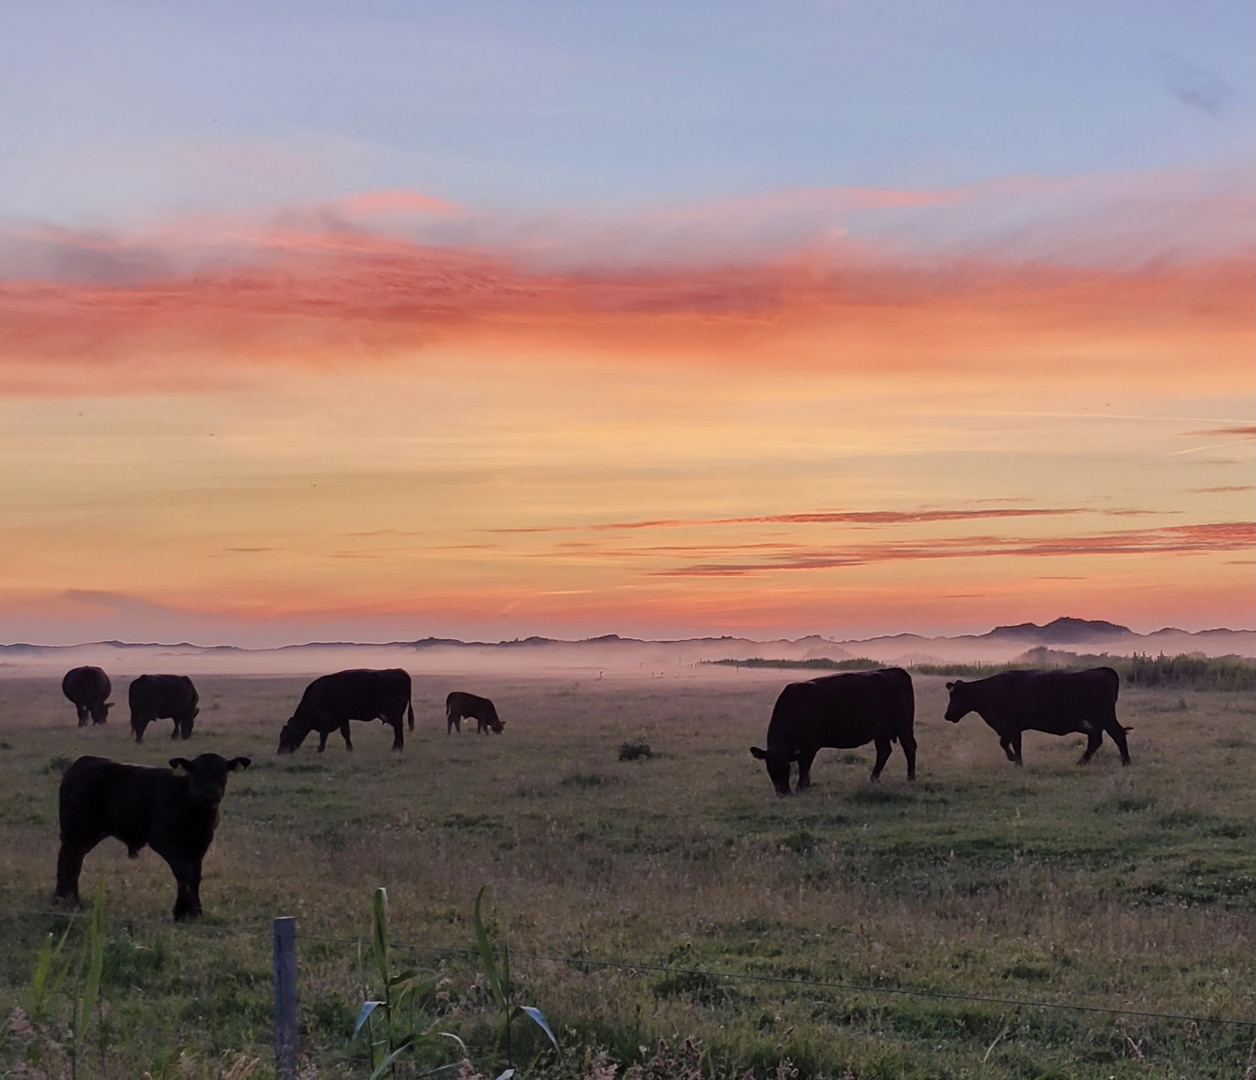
(1099, 886)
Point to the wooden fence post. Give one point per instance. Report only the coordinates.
(285, 962)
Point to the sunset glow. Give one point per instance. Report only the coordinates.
(392, 413)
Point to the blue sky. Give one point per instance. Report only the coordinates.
(119, 110)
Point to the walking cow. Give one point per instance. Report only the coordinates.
(1057, 702)
(157, 697)
(847, 710)
(89, 689)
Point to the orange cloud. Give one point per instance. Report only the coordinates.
(316, 297)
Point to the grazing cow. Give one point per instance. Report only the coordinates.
(1057, 702)
(89, 689)
(173, 814)
(331, 701)
(847, 710)
(460, 705)
(157, 697)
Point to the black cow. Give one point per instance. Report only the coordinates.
(459, 705)
(174, 815)
(157, 697)
(1057, 702)
(89, 688)
(331, 701)
(847, 710)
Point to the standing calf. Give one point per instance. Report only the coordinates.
(174, 815)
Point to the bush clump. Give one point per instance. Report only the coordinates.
(636, 750)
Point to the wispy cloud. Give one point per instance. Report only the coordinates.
(1193, 85)
(817, 517)
(1170, 540)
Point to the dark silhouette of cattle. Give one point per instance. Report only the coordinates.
(89, 689)
(460, 706)
(1057, 702)
(173, 814)
(161, 697)
(331, 701)
(842, 711)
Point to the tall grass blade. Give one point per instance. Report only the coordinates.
(485, 949)
(49, 971)
(364, 1014)
(386, 1064)
(539, 1018)
(95, 960)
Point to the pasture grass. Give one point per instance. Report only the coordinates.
(672, 896)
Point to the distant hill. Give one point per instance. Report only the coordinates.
(611, 654)
(1064, 631)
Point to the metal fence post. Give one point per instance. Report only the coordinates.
(285, 962)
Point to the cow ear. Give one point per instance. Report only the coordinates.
(177, 762)
(757, 753)
(950, 686)
(108, 705)
(239, 763)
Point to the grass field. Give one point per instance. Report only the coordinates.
(1127, 889)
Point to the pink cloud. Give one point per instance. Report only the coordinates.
(395, 201)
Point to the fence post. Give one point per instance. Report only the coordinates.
(285, 963)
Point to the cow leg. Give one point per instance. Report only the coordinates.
(138, 724)
(174, 731)
(805, 758)
(399, 738)
(82, 715)
(344, 731)
(1094, 739)
(69, 866)
(185, 726)
(322, 740)
(908, 743)
(1006, 743)
(884, 747)
(187, 873)
(1015, 740)
(1117, 732)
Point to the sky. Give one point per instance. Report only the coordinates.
(380, 321)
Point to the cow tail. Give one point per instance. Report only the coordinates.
(410, 709)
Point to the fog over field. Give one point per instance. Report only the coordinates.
(620, 656)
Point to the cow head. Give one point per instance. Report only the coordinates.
(959, 705)
(100, 713)
(207, 775)
(777, 762)
(292, 735)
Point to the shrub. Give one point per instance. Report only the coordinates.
(635, 750)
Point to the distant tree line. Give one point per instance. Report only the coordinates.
(1184, 671)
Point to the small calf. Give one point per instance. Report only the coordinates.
(173, 814)
(460, 705)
